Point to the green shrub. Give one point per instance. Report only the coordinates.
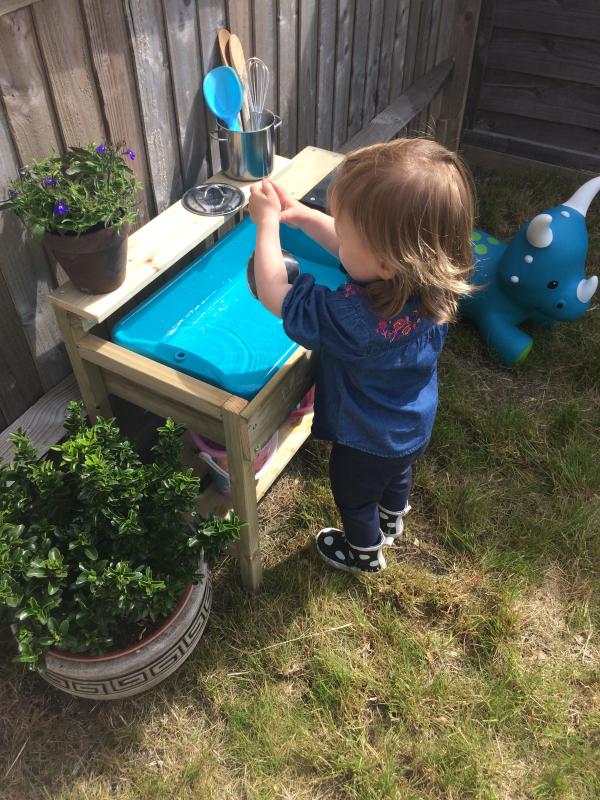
(94, 540)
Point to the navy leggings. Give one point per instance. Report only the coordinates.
(360, 482)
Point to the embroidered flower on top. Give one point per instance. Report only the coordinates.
(395, 329)
(352, 289)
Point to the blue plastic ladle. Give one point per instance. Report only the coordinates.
(224, 95)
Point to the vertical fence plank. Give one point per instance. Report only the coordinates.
(109, 47)
(442, 52)
(386, 46)
(147, 34)
(61, 35)
(186, 69)
(24, 89)
(373, 56)
(462, 42)
(287, 68)
(264, 22)
(28, 282)
(359, 66)
(211, 18)
(239, 13)
(343, 67)
(326, 73)
(414, 19)
(307, 74)
(399, 50)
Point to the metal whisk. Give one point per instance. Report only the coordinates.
(257, 82)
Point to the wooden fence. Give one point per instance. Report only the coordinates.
(535, 84)
(76, 71)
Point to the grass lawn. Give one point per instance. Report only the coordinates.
(469, 669)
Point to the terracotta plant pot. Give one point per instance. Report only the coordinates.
(94, 261)
(124, 673)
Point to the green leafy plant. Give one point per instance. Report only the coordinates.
(94, 541)
(82, 190)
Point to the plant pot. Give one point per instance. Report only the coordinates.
(128, 672)
(95, 261)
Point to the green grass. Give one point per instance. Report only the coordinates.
(469, 669)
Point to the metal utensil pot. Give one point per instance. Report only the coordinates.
(248, 155)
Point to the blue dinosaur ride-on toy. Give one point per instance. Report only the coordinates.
(539, 276)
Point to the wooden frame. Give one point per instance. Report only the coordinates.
(103, 368)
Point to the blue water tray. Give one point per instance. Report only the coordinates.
(206, 323)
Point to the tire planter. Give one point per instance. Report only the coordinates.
(125, 673)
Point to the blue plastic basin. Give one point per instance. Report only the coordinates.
(206, 323)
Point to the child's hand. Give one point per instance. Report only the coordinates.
(264, 202)
(292, 211)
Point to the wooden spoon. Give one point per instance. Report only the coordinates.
(238, 61)
(223, 39)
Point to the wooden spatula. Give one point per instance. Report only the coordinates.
(223, 39)
(238, 61)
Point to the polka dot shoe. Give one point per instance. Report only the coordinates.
(391, 523)
(334, 548)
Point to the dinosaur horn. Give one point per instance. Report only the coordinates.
(582, 198)
(539, 233)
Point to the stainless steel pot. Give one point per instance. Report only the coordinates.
(248, 155)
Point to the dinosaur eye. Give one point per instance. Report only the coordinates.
(552, 284)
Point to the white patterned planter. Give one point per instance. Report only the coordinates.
(128, 672)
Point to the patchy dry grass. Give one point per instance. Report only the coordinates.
(469, 669)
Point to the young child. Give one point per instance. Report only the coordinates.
(401, 227)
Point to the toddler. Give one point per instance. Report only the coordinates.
(401, 227)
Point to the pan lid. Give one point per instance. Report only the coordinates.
(213, 199)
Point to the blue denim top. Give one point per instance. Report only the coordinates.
(376, 378)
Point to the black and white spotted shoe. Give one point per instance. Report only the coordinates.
(391, 523)
(337, 551)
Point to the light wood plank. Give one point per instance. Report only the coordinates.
(326, 73)
(6, 6)
(343, 69)
(186, 68)
(360, 46)
(151, 251)
(113, 64)
(287, 68)
(146, 30)
(307, 73)
(43, 421)
(24, 89)
(243, 492)
(61, 35)
(29, 280)
(290, 440)
(150, 374)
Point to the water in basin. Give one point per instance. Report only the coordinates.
(206, 323)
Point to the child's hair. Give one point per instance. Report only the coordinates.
(412, 202)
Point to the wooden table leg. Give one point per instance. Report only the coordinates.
(243, 490)
(88, 376)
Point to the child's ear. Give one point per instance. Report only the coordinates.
(385, 271)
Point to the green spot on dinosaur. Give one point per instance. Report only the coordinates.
(493, 240)
(476, 236)
(523, 354)
(480, 249)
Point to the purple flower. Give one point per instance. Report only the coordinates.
(12, 194)
(49, 181)
(129, 153)
(101, 149)
(60, 208)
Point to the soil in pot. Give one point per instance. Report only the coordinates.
(95, 261)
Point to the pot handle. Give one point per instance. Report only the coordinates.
(278, 123)
(214, 135)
